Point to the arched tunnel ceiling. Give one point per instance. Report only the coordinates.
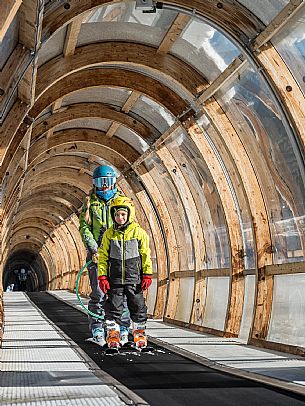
(187, 103)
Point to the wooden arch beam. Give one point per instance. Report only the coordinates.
(107, 77)
(92, 78)
(44, 224)
(51, 212)
(60, 194)
(73, 137)
(242, 27)
(135, 55)
(72, 196)
(93, 110)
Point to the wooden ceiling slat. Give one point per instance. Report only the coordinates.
(8, 10)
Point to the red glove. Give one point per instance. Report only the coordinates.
(146, 281)
(104, 283)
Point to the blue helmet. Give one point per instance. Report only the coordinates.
(104, 180)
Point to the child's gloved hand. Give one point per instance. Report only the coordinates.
(146, 281)
(104, 284)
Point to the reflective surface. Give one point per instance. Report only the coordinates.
(290, 43)
(205, 48)
(287, 324)
(275, 157)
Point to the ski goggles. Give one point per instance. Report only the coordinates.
(106, 181)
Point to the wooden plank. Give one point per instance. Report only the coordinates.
(173, 33)
(289, 90)
(234, 311)
(279, 21)
(72, 36)
(31, 16)
(92, 110)
(71, 138)
(13, 69)
(9, 129)
(111, 77)
(157, 144)
(239, 155)
(112, 129)
(29, 25)
(286, 268)
(170, 67)
(230, 71)
(150, 180)
(234, 18)
(131, 101)
(8, 10)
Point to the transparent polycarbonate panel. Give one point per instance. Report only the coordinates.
(151, 296)
(168, 192)
(153, 113)
(275, 157)
(132, 139)
(265, 10)
(287, 324)
(246, 321)
(216, 302)
(52, 47)
(205, 48)
(238, 193)
(185, 299)
(109, 95)
(205, 198)
(121, 21)
(290, 43)
(95, 124)
(9, 41)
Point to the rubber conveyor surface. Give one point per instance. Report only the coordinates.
(164, 377)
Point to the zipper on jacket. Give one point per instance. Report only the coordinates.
(123, 260)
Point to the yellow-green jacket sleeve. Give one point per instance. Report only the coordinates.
(103, 254)
(145, 253)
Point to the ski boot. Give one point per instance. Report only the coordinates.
(139, 336)
(113, 336)
(124, 335)
(98, 336)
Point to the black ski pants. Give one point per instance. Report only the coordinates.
(135, 302)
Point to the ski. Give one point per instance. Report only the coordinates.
(99, 343)
(132, 347)
(112, 350)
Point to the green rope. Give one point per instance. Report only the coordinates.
(97, 316)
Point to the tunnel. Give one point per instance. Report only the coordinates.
(199, 107)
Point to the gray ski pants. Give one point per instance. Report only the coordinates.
(98, 302)
(135, 301)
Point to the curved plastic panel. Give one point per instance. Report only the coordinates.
(109, 95)
(265, 10)
(216, 302)
(205, 48)
(203, 190)
(287, 324)
(290, 43)
(123, 21)
(185, 299)
(275, 157)
(246, 322)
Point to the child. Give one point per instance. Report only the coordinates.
(94, 220)
(124, 267)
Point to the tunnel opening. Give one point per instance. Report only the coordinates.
(25, 271)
